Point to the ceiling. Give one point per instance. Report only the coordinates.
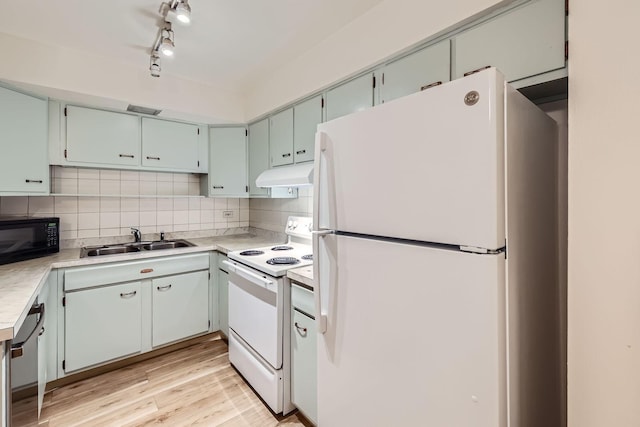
(229, 43)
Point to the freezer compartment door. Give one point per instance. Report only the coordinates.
(428, 166)
(415, 336)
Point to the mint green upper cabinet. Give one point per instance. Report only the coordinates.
(258, 155)
(281, 138)
(522, 42)
(355, 95)
(306, 117)
(416, 72)
(102, 137)
(24, 165)
(170, 145)
(228, 162)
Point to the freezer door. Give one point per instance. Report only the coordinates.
(415, 336)
(428, 166)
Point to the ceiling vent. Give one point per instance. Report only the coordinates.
(143, 110)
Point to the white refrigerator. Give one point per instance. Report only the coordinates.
(435, 248)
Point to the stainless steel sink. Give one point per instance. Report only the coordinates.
(122, 248)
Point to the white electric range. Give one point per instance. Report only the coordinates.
(259, 312)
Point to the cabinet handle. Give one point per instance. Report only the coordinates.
(41, 332)
(301, 152)
(146, 270)
(33, 181)
(219, 186)
(128, 294)
(164, 288)
(153, 158)
(286, 155)
(468, 73)
(131, 156)
(301, 329)
(430, 85)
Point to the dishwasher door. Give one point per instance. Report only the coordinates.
(26, 372)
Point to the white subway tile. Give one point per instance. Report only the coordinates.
(244, 203)
(129, 204)
(180, 204)
(109, 204)
(147, 229)
(148, 176)
(206, 216)
(88, 204)
(71, 173)
(164, 177)
(165, 188)
(194, 189)
(194, 204)
(167, 228)
(130, 176)
(244, 223)
(40, 205)
(165, 218)
(207, 225)
(130, 188)
(65, 205)
(206, 203)
(85, 234)
(68, 222)
(165, 204)
(148, 218)
(180, 227)
(109, 232)
(147, 204)
(65, 185)
(108, 174)
(181, 188)
(88, 186)
(233, 203)
(233, 224)
(129, 219)
(88, 173)
(244, 215)
(220, 203)
(194, 177)
(180, 217)
(88, 221)
(194, 217)
(219, 225)
(109, 187)
(180, 177)
(195, 227)
(148, 188)
(69, 234)
(109, 220)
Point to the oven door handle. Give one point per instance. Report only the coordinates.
(247, 274)
(17, 349)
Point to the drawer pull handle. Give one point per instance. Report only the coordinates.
(301, 329)
(301, 151)
(146, 270)
(34, 181)
(153, 158)
(468, 73)
(429, 86)
(218, 187)
(164, 288)
(130, 156)
(286, 155)
(128, 294)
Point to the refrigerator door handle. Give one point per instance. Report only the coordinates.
(321, 313)
(324, 215)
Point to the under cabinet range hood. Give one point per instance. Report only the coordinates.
(287, 176)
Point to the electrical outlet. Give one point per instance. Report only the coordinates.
(227, 214)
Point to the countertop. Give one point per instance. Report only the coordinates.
(20, 282)
(302, 275)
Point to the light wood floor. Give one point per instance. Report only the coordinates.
(192, 386)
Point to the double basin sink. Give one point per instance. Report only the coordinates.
(122, 248)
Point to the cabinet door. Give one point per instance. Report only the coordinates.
(102, 137)
(180, 307)
(306, 117)
(258, 155)
(102, 324)
(24, 165)
(44, 339)
(304, 364)
(355, 95)
(169, 145)
(228, 162)
(523, 42)
(281, 138)
(223, 301)
(416, 71)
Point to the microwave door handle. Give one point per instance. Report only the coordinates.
(17, 349)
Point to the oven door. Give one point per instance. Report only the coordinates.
(256, 311)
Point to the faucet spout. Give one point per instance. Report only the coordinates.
(136, 234)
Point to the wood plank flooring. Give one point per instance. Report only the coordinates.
(192, 386)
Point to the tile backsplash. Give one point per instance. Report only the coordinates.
(271, 214)
(109, 202)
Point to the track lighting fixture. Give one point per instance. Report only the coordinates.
(171, 11)
(183, 11)
(154, 67)
(166, 43)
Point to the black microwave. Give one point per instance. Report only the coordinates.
(26, 238)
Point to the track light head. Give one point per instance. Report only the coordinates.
(154, 67)
(166, 43)
(183, 11)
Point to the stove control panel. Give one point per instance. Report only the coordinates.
(299, 226)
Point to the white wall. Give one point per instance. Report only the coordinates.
(390, 27)
(67, 70)
(604, 214)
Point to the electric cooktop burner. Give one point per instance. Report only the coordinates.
(281, 248)
(307, 257)
(284, 260)
(251, 253)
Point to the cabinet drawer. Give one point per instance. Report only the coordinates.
(87, 277)
(302, 299)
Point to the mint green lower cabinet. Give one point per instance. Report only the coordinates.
(102, 324)
(180, 307)
(303, 353)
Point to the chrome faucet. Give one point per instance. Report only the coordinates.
(136, 234)
(162, 236)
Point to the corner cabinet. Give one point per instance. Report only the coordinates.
(258, 156)
(228, 162)
(170, 145)
(525, 41)
(97, 137)
(24, 163)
